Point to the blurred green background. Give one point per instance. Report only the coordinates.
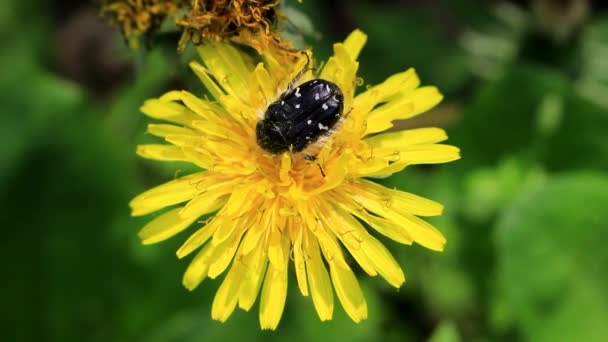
(526, 85)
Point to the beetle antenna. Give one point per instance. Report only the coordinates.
(321, 169)
(301, 72)
(312, 158)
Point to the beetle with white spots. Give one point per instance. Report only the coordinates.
(300, 117)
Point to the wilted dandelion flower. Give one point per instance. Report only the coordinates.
(250, 22)
(137, 17)
(273, 208)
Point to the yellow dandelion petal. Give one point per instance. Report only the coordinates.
(402, 200)
(349, 292)
(231, 70)
(161, 152)
(420, 230)
(168, 111)
(318, 280)
(164, 227)
(254, 265)
(401, 82)
(207, 202)
(359, 242)
(402, 106)
(395, 161)
(323, 235)
(300, 264)
(203, 74)
(354, 43)
(173, 192)
(199, 238)
(223, 254)
(202, 108)
(226, 297)
(384, 226)
(396, 140)
(267, 84)
(341, 69)
(197, 270)
(164, 130)
(308, 204)
(274, 292)
(383, 261)
(254, 233)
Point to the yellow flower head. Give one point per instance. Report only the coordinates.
(270, 209)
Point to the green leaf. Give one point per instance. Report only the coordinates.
(534, 113)
(487, 190)
(580, 141)
(299, 20)
(552, 259)
(502, 119)
(403, 39)
(306, 326)
(27, 116)
(445, 332)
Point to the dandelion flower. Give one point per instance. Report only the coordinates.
(270, 209)
(250, 22)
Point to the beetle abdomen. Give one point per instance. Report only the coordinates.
(300, 117)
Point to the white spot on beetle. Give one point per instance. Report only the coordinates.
(307, 138)
(325, 106)
(308, 122)
(323, 128)
(297, 106)
(317, 97)
(298, 92)
(282, 103)
(327, 88)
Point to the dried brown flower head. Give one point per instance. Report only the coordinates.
(249, 22)
(252, 22)
(138, 17)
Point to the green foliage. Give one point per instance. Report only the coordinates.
(445, 332)
(552, 258)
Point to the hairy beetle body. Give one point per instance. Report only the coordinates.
(300, 117)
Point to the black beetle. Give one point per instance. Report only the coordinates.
(300, 116)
